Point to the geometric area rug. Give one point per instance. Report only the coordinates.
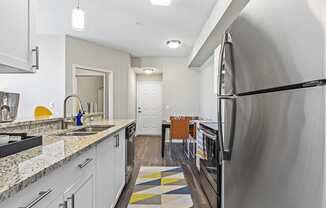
(161, 187)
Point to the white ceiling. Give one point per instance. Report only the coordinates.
(134, 26)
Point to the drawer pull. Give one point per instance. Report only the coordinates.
(64, 205)
(36, 50)
(41, 196)
(82, 165)
(72, 198)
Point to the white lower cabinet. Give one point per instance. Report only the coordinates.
(57, 203)
(110, 174)
(104, 176)
(82, 193)
(119, 165)
(93, 179)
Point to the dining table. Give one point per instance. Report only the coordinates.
(166, 124)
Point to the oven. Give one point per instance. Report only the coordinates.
(207, 162)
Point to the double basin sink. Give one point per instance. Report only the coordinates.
(86, 131)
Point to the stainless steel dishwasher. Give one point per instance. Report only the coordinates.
(130, 150)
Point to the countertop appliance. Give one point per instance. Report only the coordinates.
(12, 143)
(209, 170)
(130, 150)
(271, 106)
(8, 106)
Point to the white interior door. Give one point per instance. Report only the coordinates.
(149, 107)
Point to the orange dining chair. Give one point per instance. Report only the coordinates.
(179, 131)
(179, 128)
(192, 129)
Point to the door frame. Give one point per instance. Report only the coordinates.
(137, 101)
(108, 90)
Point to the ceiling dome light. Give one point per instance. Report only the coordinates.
(78, 18)
(173, 43)
(161, 2)
(148, 70)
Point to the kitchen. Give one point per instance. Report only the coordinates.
(254, 67)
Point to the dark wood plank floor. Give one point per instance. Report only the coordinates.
(148, 153)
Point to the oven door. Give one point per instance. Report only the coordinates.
(209, 169)
(190, 149)
(209, 164)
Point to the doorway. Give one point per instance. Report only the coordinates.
(149, 104)
(95, 88)
(91, 90)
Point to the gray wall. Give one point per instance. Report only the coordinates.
(89, 54)
(208, 101)
(149, 77)
(132, 93)
(180, 85)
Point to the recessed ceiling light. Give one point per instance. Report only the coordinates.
(161, 2)
(148, 71)
(173, 43)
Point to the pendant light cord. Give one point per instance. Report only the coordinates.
(77, 4)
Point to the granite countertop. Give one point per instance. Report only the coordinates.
(20, 170)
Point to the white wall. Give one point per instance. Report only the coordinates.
(180, 85)
(208, 101)
(92, 55)
(47, 86)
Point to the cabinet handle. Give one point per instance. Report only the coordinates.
(64, 204)
(72, 198)
(37, 57)
(82, 165)
(40, 196)
(117, 140)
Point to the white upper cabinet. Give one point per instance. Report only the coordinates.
(18, 51)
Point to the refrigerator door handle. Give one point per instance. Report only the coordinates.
(227, 97)
(219, 101)
(225, 154)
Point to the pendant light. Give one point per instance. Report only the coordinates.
(78, 18)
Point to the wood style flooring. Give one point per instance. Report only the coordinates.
(148, 153)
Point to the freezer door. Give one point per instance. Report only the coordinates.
(277, 42)
(278, 152)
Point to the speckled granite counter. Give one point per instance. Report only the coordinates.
(22, 169)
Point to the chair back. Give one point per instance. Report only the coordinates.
(42, 112)
(179, 127)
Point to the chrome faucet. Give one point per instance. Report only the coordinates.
(4, 114)
(5, 107)
(65, 117)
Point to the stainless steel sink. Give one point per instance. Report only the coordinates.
(94, 128)
(74, 133)
(86, 131)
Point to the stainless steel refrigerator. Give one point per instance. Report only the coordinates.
(271, 106)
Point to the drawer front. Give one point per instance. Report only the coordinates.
(50, 187)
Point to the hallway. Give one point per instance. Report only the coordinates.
(147, 153)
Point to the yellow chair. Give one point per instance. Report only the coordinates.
(42, 112)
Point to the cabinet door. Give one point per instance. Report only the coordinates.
(17, 20)
(105, 173)
(119, 161)
(82, 193)
(57, 203)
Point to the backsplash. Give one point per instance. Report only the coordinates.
(41, 127)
